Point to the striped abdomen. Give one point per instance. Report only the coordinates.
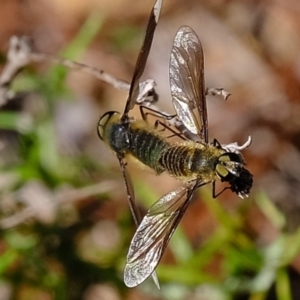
(190, 161)
(148, 148)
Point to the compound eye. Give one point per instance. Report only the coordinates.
(229, 166)
(224, 173)
(104, 120)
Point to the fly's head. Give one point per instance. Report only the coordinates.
(115, 132)
(230, 168)
(105, 120)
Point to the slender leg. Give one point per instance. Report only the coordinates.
(214, 194)
(130, 193)
(164, 117)
(155, 113)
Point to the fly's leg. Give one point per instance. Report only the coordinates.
(162, 121)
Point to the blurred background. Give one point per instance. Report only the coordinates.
(64, 219)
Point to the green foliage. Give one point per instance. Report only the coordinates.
(26, 258)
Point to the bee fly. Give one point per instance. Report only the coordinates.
(197, 163)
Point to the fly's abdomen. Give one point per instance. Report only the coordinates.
(189, 162)
(148, 147)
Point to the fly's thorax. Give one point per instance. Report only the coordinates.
(114, 132)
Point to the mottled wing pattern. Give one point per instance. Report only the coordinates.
(187, 82)
(154, 233)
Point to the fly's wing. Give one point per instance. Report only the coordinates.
(154, 233)
(187, 82)
(143, 56)
(132, 205)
